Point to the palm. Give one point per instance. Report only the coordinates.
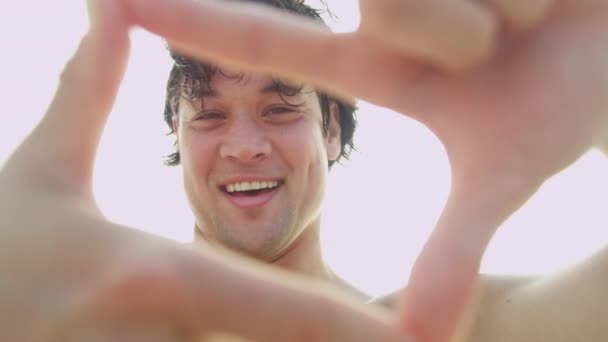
(525, 113)
(534, 108)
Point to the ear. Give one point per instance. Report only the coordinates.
(175, 125)
(332, 140)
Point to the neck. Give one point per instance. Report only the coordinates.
(304, 255)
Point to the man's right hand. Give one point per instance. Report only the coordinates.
(66, 274)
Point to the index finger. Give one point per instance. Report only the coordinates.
(264, 39)
(453, 35)
(244, 35)
(61, 149)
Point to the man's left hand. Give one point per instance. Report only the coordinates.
(524, 110)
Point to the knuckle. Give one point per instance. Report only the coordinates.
(138, 286)
(73, 72)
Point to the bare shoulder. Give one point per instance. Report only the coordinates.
(492, 290)
(490, 286)
(570, 305)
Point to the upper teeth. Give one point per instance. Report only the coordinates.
(248, 186)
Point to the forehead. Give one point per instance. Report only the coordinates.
(230, 78)
(226, 82)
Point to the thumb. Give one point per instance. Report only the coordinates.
(453, 35)
(62, 147)
(440, 293)
(222, 295)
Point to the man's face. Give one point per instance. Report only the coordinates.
(255, 165)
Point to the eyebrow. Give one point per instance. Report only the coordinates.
(270, 88)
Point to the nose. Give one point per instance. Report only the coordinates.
(245, 142)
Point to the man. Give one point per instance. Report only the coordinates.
(256, 152)
(501, 148)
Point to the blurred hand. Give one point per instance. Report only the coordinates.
(529, 98)
(454, 35)
(66, 274)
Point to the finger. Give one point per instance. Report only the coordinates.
(239, 35)
(250, 36)
(259, 38)
(453, 35)
(63, 145)
(443, 281)
(234, 297)
(521, 14)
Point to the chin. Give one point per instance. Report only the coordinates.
(262, 243)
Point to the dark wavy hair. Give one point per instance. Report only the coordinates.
(190, 78)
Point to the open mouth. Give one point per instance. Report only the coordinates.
(251, 194)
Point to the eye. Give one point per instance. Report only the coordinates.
(282, 114)
(278, 110)
(208, 120)
(209, 116)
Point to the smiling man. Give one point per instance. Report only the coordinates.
(256, 151)
(255, 164)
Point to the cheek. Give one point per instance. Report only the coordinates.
(196, 152)
(304, 151)
(197, 158)
(195, 147)
(302, 144)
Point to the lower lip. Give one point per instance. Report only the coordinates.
(248, 202)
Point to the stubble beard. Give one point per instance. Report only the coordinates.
(272, 239)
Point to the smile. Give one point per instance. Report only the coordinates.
(248, 187)
(251, 194)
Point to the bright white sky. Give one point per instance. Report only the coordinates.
(380, 207)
